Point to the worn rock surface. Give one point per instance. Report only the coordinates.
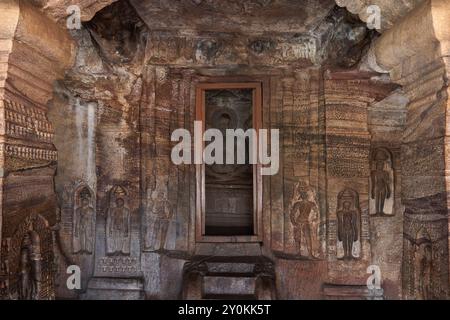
(85, 149)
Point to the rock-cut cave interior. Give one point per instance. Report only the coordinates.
(337, 188)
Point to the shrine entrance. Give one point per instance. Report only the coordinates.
(229, 195)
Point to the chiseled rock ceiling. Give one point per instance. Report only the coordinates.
(303, 32)
(251, 17)
(115, 46)
(391, 10)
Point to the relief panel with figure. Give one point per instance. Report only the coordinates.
(349, 224)
(118, 223)
(83, 221)
(381, 201)
(304, 216)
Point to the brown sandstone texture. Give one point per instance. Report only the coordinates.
(85, 149)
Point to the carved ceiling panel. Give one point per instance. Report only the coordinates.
(252, 17)
(296, 14)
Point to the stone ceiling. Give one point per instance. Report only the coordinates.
(250, 17)
(392, 11)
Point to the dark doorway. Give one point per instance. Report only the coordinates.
(229, 187)
(229, 191)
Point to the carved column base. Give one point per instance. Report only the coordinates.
(115, 289)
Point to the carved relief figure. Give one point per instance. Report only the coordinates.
(118, 223)
(83, 227)
(4, 269)
(162, 215)
(304, 216)
(30, 260)
(381, 181)
(348, 216)
(423, 266)
(29, 268)
(26, 287)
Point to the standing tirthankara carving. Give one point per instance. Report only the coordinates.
(83, 221)
(423, 266)
(305, 218)
(118, 223)
(381, 183)
(30, 267)
(348, 217)
(161, 213)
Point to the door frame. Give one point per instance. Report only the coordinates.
(257, 102)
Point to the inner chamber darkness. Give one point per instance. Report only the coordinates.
(229, 187)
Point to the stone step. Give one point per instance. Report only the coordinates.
(115, 289)
(228, 286)
(235, 277)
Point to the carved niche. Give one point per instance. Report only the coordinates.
(349, 224)
(425, 258)
(118, 223)
(304, 216)
(31, 261)
(381, 201)
(83, 220)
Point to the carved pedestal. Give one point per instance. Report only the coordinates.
(229, 278)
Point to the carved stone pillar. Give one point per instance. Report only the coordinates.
(415, 52)
(347, 98)
(34, 52)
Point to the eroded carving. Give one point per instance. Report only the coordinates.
(30, 267)
(160, 216)
(118, 223)
(305, 218)
(425, 257)
(31, 258)
(118, 264)
(381, 183)
(260, 46)
(348, 216)
(4, 269)
(83, 221)
(27, 122)
(423, 265)
(206, 50)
